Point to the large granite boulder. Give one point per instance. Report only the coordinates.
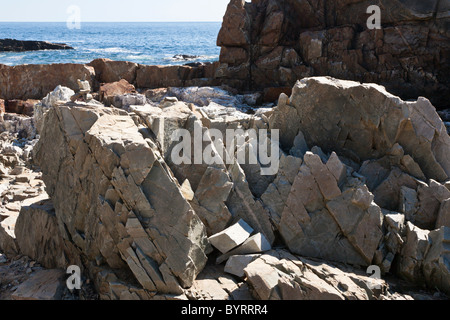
(117, 201)
(366, 123)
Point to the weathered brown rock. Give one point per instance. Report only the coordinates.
(21, 107)
(108, 71)
(36, 81)
(175, 76)
(43, 285)
(38, 237)
(109, 91)
(443, 219)
(265, 44)
(272, 94)
(436, 268)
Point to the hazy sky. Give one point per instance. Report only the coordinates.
(113, 10)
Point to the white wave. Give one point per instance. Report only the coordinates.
(178, 58)
(112, 50)
(139, 57)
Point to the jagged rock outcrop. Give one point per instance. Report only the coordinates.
(112, 191)
(325, 209)
(367, 123)
(36, 81)
(38, 237)
(279, 275)
(20, 45)
(265, 44)
(109, 71)
(362, 180)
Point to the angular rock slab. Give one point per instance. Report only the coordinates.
(43, 285)
(255, 244)
(364, 121)
(326, 209)
(231, 237)
(279, 275)
(111, 190)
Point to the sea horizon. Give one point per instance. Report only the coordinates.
(150, 43)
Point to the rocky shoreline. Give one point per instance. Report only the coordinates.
(11, 45)
(89, 176)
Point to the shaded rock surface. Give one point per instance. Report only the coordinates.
(265, 44)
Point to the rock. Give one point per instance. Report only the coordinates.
(242, 204)
(125, 185)
(388, 193)
(36, 81)
(408, 202)
(38, 237)
(272, 94)
(58, 96)
(316, 214)
(21, 107)
(109, 71)
(8, 244)
(443, 219)
(413, 253)
(212, 192)
(156, 95)
(164, 76)
(186, 190)
(184, 57)
(264, 45)
(255, 244)
(203, 96)
(130, 99)
(43, 285)
(236, 264)
(392, 121)
(435, 266)
(231, 237)
(214, 284)
(430, 200)
(278, 275)
(109, 91)
(2, 109)
(10, 45)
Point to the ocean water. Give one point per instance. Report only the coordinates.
(152, 43)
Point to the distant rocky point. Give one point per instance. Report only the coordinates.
(12, 45)
(184, 57)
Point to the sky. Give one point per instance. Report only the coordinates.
(112, 10)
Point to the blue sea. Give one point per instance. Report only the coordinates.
(152, 43)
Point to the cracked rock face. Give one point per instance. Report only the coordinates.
(265, 44)
(116, 199)
(362, 180)
(366, 124)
